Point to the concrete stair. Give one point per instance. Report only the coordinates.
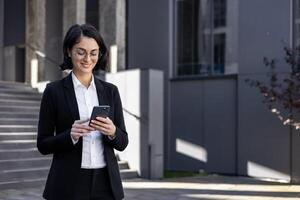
(21, 165)
(126, 172)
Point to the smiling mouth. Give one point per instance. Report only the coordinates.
(86, 65)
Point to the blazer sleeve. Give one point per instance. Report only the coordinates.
(47, 141)
(120, 142)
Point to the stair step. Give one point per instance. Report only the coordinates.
(17, 85)
(25, 163)
(6, 154)
(17, 136)
(128, 174)
(24, 183)
(10, 102)
(18, 90)
(21, 96)
(16, 108)
(18, 128)
(14, 144)
(19, 121)
(18, 115)
(25, 173)
(123, 165)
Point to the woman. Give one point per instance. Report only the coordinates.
(84, 165)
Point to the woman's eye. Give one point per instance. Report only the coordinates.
(81, 53)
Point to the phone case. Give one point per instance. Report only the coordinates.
(100, 111)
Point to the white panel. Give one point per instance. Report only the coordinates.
(258, 170)
(191, 150)
(128, 84)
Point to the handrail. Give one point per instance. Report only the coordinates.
(41, 54)
(142, 119)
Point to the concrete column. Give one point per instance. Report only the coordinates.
(73, 13)
(107, 21)
(1, 38)
(35, 36)
(112, 23)
(121, 33)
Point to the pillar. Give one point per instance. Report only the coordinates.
(35, 36)
(112, 23)
(73, 13)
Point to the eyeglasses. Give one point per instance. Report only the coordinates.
(81, 53)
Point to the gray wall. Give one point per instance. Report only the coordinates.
(13, 40)
(295, 149)
(14, 22)
(1, 37)
(14, 58)
(148, 37)
(92, 13)
(203, 113)
(264, 26)
(148, 34)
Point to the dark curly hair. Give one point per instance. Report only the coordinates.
(72, 37)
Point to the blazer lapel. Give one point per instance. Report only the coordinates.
(70, 97)
(102, 98)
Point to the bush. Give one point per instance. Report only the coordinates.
(281, 94)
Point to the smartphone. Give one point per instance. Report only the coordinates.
(100, 111)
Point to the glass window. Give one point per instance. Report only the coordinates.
(201, 37)
(219, 53)
(219, 13)
(193, 37)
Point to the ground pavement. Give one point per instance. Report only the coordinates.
(210, 187)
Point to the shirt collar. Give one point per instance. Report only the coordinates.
(93, 83)
(77, 83)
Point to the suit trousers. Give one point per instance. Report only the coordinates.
(93, 184)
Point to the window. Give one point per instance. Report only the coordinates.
(201, 36)
(219, 53)
(193, 37)
(219, 10)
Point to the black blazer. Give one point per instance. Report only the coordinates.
(58, 112)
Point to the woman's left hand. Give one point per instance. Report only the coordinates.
(104, 125)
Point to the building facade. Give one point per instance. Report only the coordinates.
(207, 49)
(213, 120)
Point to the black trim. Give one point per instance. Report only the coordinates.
(197, 77)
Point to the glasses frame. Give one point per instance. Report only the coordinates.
(82, 53)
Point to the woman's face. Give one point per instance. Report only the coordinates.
(84, 55)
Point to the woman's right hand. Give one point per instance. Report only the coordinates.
(79, 129)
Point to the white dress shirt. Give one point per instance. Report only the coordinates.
(92, 146)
